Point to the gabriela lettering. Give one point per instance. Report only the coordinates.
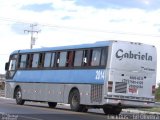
(120, 54)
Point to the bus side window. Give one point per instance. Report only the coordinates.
(22, 61)
(87, 57)
(47, 59)
(29, 60)
(41, 60)
(57, 57)
(70, 58)
(35, 60)
(90, 57)
(96, 57)
(63, 58)
(52, 59)
(12, 65)
(78, 58)
(84, 57)
(104, 56)
(19, 60)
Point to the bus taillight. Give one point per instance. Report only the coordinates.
(110, 86)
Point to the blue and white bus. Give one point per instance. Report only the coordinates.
(111, 75)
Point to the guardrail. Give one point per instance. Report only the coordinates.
(2, 93)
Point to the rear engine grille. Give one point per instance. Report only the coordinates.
(120, 87)
(96, 93)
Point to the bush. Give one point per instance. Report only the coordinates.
(157, 94)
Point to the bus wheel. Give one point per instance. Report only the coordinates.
(84, 108)
(116, 110)
(18, 96)
(75, 102)
(52, 104)
(107, 110)
(112, 111)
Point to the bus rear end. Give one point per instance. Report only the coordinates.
(132, 75)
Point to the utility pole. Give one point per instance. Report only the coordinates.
(32, 31)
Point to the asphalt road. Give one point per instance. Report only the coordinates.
(9, 110)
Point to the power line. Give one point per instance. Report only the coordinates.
(78, 28)
(14, 20)
(5, 54)
(95, 30)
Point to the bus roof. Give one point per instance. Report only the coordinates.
(67, 47)
(70, 47)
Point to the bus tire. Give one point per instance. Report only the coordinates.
(112, 111)
(107, 110)
(18, 96)
(74, 100)
(116, 110)
(84, 108)
(52, 104)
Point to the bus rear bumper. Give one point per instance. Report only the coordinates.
(129, 103)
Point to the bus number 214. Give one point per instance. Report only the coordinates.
(100, 75)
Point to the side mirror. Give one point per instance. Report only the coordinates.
(7, 66)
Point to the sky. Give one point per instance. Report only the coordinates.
(68, 22)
